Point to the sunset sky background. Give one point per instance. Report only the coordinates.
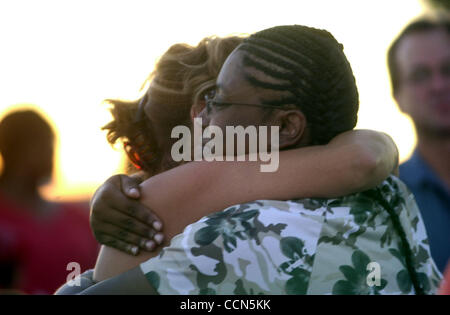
(63, 58)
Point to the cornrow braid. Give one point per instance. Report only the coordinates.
(308, 68)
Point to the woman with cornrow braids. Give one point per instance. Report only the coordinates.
(312, 74)
(249, 240)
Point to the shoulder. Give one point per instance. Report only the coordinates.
(413, 170)
(409, 165)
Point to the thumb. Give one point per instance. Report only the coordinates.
(130, 186)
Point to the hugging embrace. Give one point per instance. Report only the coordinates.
(332, 219)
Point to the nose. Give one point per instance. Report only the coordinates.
(440, 82)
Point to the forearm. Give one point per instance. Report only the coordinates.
(132, 281)
(112, 262)
(351, 162)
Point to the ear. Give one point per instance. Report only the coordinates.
(197, 108)
(292, 128)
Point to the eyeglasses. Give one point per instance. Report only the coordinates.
(211, 103)
(138, 148)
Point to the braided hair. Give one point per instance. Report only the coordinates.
(307, 68)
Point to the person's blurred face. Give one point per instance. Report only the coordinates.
(423, 60)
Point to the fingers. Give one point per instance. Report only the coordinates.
(124, 240)
(110, 199)
(138, 212)
(130, 186)
(129, 224)
(126, 229)
(109, 189)
(111, 241)
(122, 222)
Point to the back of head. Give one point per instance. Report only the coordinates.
(179, 81)
(22, 130)
(308, 68)
(182, 76)
(426, 24)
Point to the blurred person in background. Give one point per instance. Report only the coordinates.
(38, 238)
(419, 66)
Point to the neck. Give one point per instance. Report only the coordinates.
(166, 164)
(20, 189)
(436, 152)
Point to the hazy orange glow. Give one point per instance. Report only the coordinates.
(66, 57)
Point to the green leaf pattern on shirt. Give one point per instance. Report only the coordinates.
(302, 246)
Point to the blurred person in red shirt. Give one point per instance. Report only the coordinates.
(38, 238)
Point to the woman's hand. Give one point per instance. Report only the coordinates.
(119, 220)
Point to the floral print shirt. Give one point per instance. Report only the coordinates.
(373, 242)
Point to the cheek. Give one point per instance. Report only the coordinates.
(236, 116)
(219, 122)
(221, 118)
(411, 99)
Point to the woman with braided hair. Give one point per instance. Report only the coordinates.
(296, 78)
